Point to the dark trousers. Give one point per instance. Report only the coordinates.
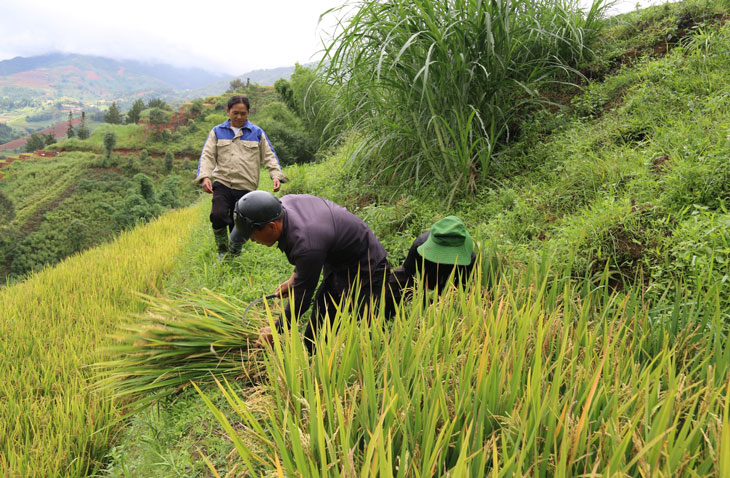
(334, 287)
(224, 200)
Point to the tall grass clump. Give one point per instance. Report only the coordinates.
(52, 423)
(539, 376)
(436, 86)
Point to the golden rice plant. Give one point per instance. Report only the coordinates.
(52, 423)
(189, 337)
(538, 375)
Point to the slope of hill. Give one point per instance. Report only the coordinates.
(71, 202)
(47, 347)
(614, 362)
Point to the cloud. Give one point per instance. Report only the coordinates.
(222, 37)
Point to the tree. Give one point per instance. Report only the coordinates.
(77, 234)
(235, 84)
(7, 133)
(169, 158)
(35, 141)
(286, 93)
(7, 209)
(146, 187)
(158, 117)
(197, 107)
(82, 131)
(158, 120)
(48, 138)
(70, 133)
(112, 116)
(134, 112)
(157, 103)
(110, 140)
(168, 197)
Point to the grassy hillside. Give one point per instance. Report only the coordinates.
(592, 342)
(74, 201)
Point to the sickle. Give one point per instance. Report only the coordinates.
(270, 296)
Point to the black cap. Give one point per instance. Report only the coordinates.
(253, 211)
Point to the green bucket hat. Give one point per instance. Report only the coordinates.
(448, 243)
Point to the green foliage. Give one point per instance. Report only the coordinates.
(436, 87)
(158, 103)
(70, 133)
(46, 246)
(286, 93)
(78, 236)
(9, 240)
(700, 250)
(110, 140)
(7, 133)
(236, 84)
(82, 131)
(7, 209)
(159, 116)
(314, 102)
(112, 115)
(133, 115)
(48, 138)
(287, 134)
(35, 141)
(169, 161)
(169, 194)
(70, 203)
(146, 188)
(196, 107)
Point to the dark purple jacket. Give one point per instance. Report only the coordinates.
(320, 236)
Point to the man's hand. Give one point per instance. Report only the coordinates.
(283, 289)
(277, 184)
(265, 338)
(207, 186)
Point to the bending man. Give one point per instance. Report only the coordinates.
(318, 237)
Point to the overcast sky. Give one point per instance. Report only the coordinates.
(231, 37)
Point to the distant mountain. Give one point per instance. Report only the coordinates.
(88, 78)
(93, 78)
(264, 77)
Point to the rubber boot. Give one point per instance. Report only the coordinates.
(234, 249)
(221, 241)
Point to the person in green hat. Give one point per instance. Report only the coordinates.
(433, 256)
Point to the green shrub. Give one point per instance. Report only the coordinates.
(292, 143)
(703, 180)
(47, 246)
(7, 209)
(699, 250)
